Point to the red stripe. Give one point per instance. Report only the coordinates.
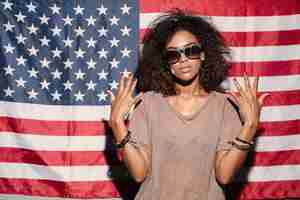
(279, 128)
(266, 68)
(265, 190)
(42, 127)
(224, 7)
(241, 39)
(95, 189)
(273, 158)
(59, 158)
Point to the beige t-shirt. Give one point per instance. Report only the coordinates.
(183, 150)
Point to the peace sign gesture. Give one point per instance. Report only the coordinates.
(248, 101)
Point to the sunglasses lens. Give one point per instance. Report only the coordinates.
(172, 56)
(193, 52)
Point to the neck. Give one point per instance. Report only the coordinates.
(190, 88)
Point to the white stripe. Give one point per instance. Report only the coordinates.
(269, 83)
(56, 113)
(277, 143)
(270, 113)
(25, 197)
(55, 173)
(241, 24)
(265, 53)
(271, 173)
(55, 143)
(280, 113)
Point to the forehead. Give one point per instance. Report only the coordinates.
(181, 38)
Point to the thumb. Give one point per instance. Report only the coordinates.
(262, 98)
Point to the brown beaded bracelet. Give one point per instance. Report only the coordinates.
(244, 141)
(124, 141)
(245, 147)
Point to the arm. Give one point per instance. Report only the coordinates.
(227, 163)
(135, 158)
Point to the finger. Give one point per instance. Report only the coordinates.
(135, 101)
(255, 85)
(134, 82)
(234, 97)
(128, 84)
(112, 96)
(239, 88)
(262, 98)
(247, 82)
(121, 85)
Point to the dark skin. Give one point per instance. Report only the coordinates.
(189, 98)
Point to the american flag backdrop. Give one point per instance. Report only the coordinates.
(57, 59)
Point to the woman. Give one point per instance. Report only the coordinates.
(184, 138)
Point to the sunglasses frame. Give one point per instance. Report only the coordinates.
(182, 50)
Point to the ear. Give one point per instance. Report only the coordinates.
(202, 56)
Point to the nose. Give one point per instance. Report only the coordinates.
(183, 57)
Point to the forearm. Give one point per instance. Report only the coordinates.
(228, 163)
(135, 158)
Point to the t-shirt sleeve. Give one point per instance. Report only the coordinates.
(230, 127)
(139, 123)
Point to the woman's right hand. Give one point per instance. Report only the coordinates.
(123, 101)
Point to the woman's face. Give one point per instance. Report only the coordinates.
(185, 55)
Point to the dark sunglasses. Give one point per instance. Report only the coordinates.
(191, 52)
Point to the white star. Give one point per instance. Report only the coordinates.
(114, 20)
(125, 73)
(79, 53)
(56, 53)
(102, 96)
(32, 29)
(55, 9)
(20, 17)
(7, 5)
(45, 63)
(91, 42)
(102, 75)
(79, 75)
(68, 42)
(9, 70)
(45, 41)
(113, 85)
(79, 96)
(102, 10)
(114, 63)
(8, 27)
(91, 64)
(125, 52)
(9, 49)
(20, 82)
(67, 21)
(45, 84)
(114, 42)
(31, 7)
(44, 19)
(102, 32)
(21, 61)
(32, 51)
(56, 74)
(125, 31)
(55, 30)
(32, 94)
(78, 10)
(8, 92)
(125, 9)
(21, 39)
(68, 64)
(91, 21)
(91, 85)
(79, 31)
(56, 96)
(68, 85)
(102, 53)
(33, 73)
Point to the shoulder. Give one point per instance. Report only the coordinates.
(151, 96)
(225, 101)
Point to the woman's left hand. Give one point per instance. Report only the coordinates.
(248, 102)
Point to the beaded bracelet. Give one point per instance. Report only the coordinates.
(244, 141)
(242, 147)
(124, 141)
